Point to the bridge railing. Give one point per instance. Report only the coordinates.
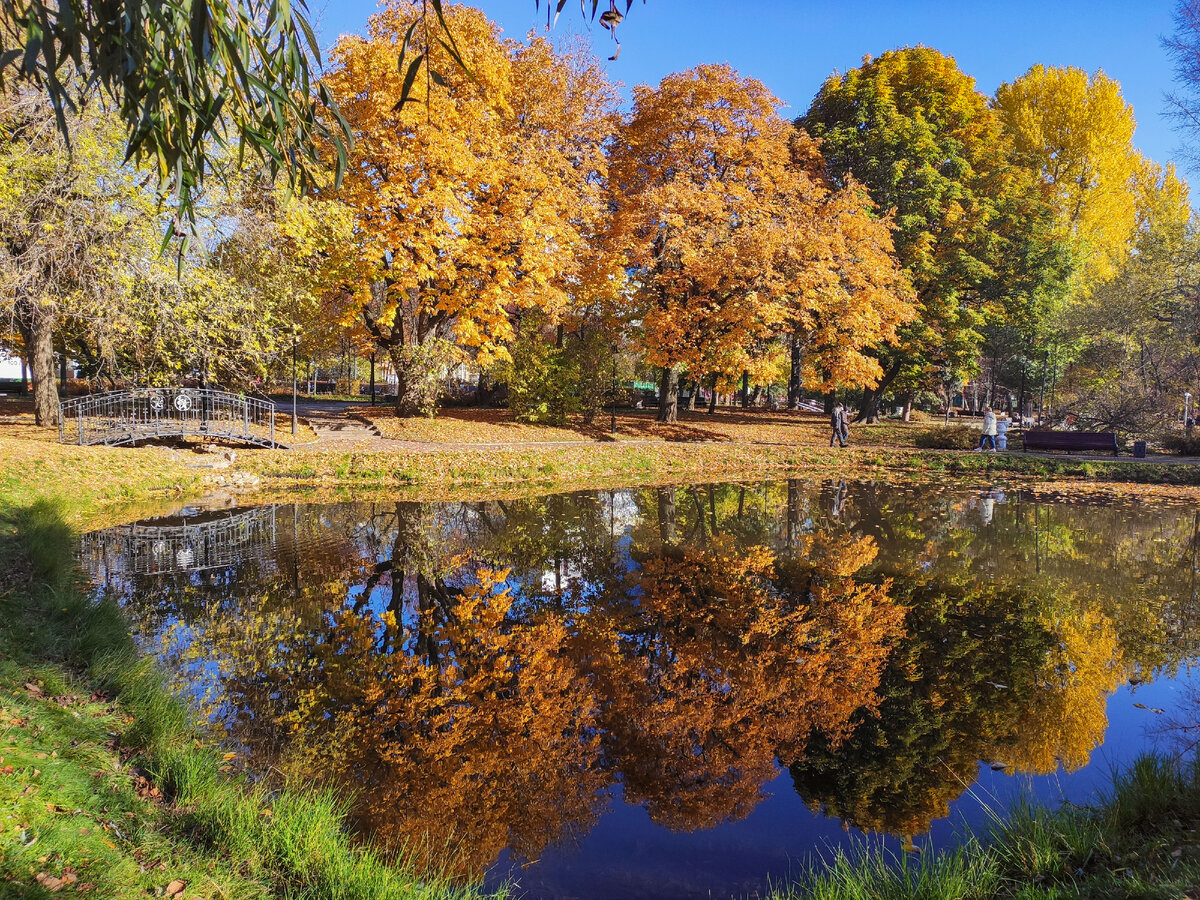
(180, 544)
(123, 417)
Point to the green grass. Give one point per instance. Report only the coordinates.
(105, 784)
(1140, 840)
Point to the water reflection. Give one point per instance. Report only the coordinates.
(487, 676)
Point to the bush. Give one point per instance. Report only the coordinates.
(947, 437)
(543, 380)
(1182, 444)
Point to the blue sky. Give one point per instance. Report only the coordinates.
(793, 45)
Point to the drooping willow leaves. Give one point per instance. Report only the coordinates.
(193, 80)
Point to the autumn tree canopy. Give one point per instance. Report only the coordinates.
(733, 239)
(472, 207)
(913, 128)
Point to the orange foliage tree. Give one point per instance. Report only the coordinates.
(731, 239)
(473, 204)
(725, 665)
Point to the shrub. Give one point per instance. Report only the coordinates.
(947, 437)
(543, 380)
(1182, 444)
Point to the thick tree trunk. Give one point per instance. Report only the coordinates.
(693, 390)
(37, 331)
(668, 396)
(666, 514)
(796, 375)
(24, 376)
(908, 399)
(793, 512)
(745, 390)
(871, 396)
(712, 399)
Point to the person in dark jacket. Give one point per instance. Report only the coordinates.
(841, 432)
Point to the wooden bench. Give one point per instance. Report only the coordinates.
(1071, 440)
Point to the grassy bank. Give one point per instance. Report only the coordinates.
(1140, 840)
(107, 787)
(584, 463)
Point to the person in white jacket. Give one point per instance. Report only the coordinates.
(989, 429)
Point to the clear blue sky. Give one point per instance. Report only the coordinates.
(793, 45)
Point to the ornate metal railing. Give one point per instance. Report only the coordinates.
(179, 544)
(124, 417)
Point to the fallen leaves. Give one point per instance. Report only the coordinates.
(56, 883)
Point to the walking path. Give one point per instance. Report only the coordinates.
(339, 429)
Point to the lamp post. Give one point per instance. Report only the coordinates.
(948, 380)
(295, 341)
(1042, 402)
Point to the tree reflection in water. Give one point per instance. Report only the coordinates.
(483, 674)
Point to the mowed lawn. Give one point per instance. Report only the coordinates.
(497, 426)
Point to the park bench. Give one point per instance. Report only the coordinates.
(1071, 440)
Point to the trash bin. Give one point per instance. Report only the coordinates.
(1139, 449)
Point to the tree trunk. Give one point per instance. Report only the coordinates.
(871, 396)
(793, 513)
(712, 398)
(693, 390)
(36, 324)
(24, 375)
(668, 396)
(745, 390)
(908, 398)
(796, 375)
(666, 514)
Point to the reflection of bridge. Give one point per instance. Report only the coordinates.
(124, 417)
(179, 544)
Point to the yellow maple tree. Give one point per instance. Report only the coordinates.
(473, 204)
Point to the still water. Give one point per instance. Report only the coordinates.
(674, 692)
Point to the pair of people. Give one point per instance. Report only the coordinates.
(841, 428)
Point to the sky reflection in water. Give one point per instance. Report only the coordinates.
(669, 692)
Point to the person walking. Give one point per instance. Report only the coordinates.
(989, 429)
(841, 432)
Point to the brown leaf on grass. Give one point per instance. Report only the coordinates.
(145, 789)
(49, 882)
(34, 690)
(175, 888)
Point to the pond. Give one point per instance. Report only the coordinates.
(673, 692)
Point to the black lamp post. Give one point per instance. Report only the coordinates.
(1042, 402)
(295, 340)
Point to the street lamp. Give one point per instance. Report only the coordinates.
(1042, 401)
(295, 340)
